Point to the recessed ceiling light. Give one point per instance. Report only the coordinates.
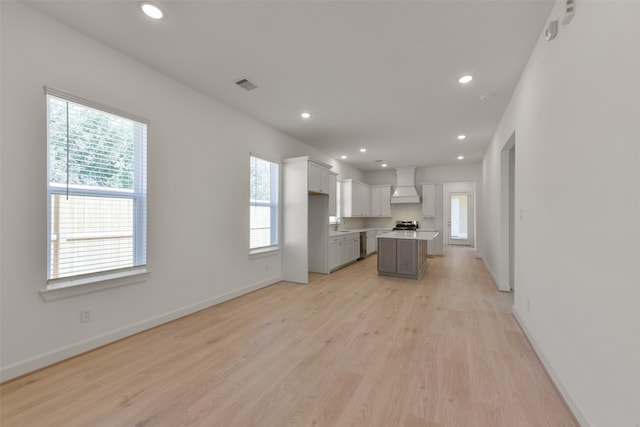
(151, 11)
(305, 115)
(460, 157)
(343, 157)
(461, 137)
(362, 150)
(465, 79)
(384, 165)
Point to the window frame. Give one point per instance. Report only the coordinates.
(60, 287)
(273, 204)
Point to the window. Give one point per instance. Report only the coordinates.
(335, 220)
(97, 190)
(263, 205)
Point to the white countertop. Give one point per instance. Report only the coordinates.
(359, 230)
(412, 235)
(356, 230)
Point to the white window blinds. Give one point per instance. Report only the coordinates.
(97, 188)
(263, 204)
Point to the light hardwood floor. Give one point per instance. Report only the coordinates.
(349, 349)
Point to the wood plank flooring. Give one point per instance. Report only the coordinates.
(349, 349)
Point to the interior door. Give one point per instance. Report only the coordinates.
(460, 221)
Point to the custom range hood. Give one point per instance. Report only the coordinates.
(405, 191)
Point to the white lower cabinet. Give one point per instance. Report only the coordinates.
(343, 250)
(334, 253)
(372, 243)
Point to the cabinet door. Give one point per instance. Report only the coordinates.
(334, 254)
(344, 252)
(346, 199)
(428, 200)
(318, 179)
(387, 255)
(355, 249)
(324, 181)
(366, 200)
(371, 242)
(407, 256)
(375, 201)
(356, 201)
(385, 201)
(314, 177)
(380, 200)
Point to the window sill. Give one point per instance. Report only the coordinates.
(71, 288)
(260, 253)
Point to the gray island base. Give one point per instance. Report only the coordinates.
(403, 253)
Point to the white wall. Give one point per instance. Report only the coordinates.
(198, 193)
(575, 115)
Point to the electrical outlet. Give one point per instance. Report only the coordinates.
(85, 316)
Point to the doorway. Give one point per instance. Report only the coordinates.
(459, 218)
(508, 215)
(512, 216)
(459, 213)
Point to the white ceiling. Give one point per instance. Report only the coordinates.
(381, 75)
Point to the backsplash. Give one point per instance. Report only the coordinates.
(399, 212)
(352, 223)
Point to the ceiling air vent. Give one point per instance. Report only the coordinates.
(246, 84)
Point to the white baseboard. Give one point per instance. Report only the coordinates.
(494, 278)
(41, 361)
(573, 407)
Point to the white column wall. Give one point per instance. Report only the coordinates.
(575, 114)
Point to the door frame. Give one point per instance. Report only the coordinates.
(457, 188)
(508, 215)
(469, 241)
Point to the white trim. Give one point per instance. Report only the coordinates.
(48, 90)
(274, 204)
(264, 252)
(571, 403)
(71, 287)
(41, 361)
(138, 196)
(494, 278)
(266, 156)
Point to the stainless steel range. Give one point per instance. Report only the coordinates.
(406, 225)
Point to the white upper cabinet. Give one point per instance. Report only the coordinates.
(428, 200)
(319, 177)
(362, 200)
(355, 198)
(375, 201)
(385, 200)
(365, 199)
(380, 200)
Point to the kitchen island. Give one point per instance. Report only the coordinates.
(403, 253)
